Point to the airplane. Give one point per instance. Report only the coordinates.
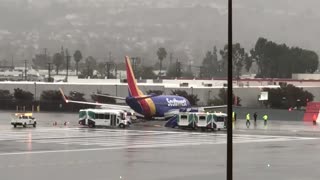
(149, 106)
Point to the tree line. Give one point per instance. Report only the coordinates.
(272, 60)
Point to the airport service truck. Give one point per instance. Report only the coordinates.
(23, 119)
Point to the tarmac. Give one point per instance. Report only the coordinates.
(281, 150)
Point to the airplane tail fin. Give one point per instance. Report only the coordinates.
(132, 83)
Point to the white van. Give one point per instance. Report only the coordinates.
(103, 117)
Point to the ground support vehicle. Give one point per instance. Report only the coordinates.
(103, 117)
(213, 121)
(23, 119)
(186, 120)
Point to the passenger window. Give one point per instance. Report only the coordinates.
(202, 118)
(220, 119)
(107, 116)
(184, 117)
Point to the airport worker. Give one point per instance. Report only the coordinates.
(248, 120)
(314, 119)
(265, 119)
(233, 116)
(255, 117)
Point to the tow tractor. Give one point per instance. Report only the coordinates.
(23, 119)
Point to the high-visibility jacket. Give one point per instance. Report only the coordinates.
(314, 117)
(248, 117)
(233, 115)
(265, 117)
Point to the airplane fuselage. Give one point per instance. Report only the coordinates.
(157, 106)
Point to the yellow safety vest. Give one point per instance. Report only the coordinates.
(265, 117)
(248, 116)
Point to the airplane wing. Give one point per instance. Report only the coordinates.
(110, 106)
(122, 98)
(211, 107)
(109, 96)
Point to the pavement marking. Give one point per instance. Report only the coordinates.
(110, 139)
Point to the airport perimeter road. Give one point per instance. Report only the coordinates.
(99, 154)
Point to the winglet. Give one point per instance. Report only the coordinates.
(63, 96)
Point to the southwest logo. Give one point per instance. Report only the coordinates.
(175, 102)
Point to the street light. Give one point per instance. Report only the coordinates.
(35, 91)
(116, 90)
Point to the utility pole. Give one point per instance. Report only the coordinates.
(25, 70)
(68, 58)
(109, 64)
(116, 71)
(178, 69)
(49, 72)
(12, 62)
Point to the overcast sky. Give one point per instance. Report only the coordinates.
(189, 27)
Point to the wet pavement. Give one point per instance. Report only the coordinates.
(281, 150)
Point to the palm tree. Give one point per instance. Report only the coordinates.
(162, 54)
(77, 56)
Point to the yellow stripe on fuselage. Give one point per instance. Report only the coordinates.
(151, 105)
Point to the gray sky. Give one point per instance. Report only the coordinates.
(188, 28)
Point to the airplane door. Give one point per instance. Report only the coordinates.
(113, 120)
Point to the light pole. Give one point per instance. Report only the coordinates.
(35, 91)
(25, 70)
(116, 90)
(68, 58)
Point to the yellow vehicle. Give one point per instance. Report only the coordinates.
(23, 119)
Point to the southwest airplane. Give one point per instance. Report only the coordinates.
(148, 106)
